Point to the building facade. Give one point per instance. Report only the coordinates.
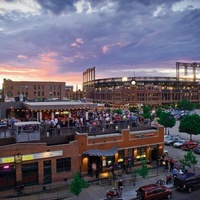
(32, 90)
(143, 90)
(53, 158)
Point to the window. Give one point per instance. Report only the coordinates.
(63, 164)
(141, 153)
(121, 156)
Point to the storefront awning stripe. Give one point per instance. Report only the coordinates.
(98, 152)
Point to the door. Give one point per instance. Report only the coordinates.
(47, 171)
(7, 177)
(30, 174)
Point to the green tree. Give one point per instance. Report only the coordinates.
(158, 112)
(167, 120)
(118, 111)
(185, 105)
(147, 112)
(77, 184)
(189, 159)
(190, 124)
(143, 170)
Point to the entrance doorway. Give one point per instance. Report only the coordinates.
(7, 177)
(30, 174)
(47, 172)
(94, 165)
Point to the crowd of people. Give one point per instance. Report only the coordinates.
(172, 166)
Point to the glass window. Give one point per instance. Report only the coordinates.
(131, 152)
(121, 156)
(34, 87)
(141, 153)
(63, 164)
(110, 160)
(42, 93)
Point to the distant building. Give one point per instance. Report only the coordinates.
(69, 91)
(32, 90)
(134, 91)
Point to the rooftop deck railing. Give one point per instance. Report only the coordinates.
(91, 129)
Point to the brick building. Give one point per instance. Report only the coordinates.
(144, 90)
(52, 158)
(32, 90)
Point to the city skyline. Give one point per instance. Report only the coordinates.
(48, 40)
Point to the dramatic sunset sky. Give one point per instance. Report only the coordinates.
(56, 40)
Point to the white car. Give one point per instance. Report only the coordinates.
(166, 152)
(179, 143)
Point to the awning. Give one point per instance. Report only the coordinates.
(57, 105)
(98, 152)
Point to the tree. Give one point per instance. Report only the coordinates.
(190, 124)
(147, 112)
(189, 159)
(167, 120)
(77, 184)
(158, 112)
(143, 170)
(118, 111)
(185, 105)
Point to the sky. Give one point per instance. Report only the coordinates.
(57, 40)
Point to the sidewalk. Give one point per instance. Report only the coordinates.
(60, 190)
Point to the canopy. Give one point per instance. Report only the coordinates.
(98, 152)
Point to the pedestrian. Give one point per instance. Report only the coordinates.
(186, 169)
(166, 165)
(171, 162)
(175, 172)
(120, 186)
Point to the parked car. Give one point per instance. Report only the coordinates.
(183, 113)
(171, 140)
(166, 152)
(187, 145)
(153, 191)
(187, 182)
(197, 149)
(178, 144)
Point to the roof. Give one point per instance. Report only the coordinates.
(57, 105)
(98, 152)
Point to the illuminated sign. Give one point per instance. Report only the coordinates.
(27, 157)
(19, 158)
(8, 160)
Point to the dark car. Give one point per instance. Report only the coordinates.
(197, 149)
(187, 145)
(153, 191)
(187, 181)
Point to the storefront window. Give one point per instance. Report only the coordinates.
(131, 152)
(121, 156)
(63, 164)
(110, 160)
(141, 153)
